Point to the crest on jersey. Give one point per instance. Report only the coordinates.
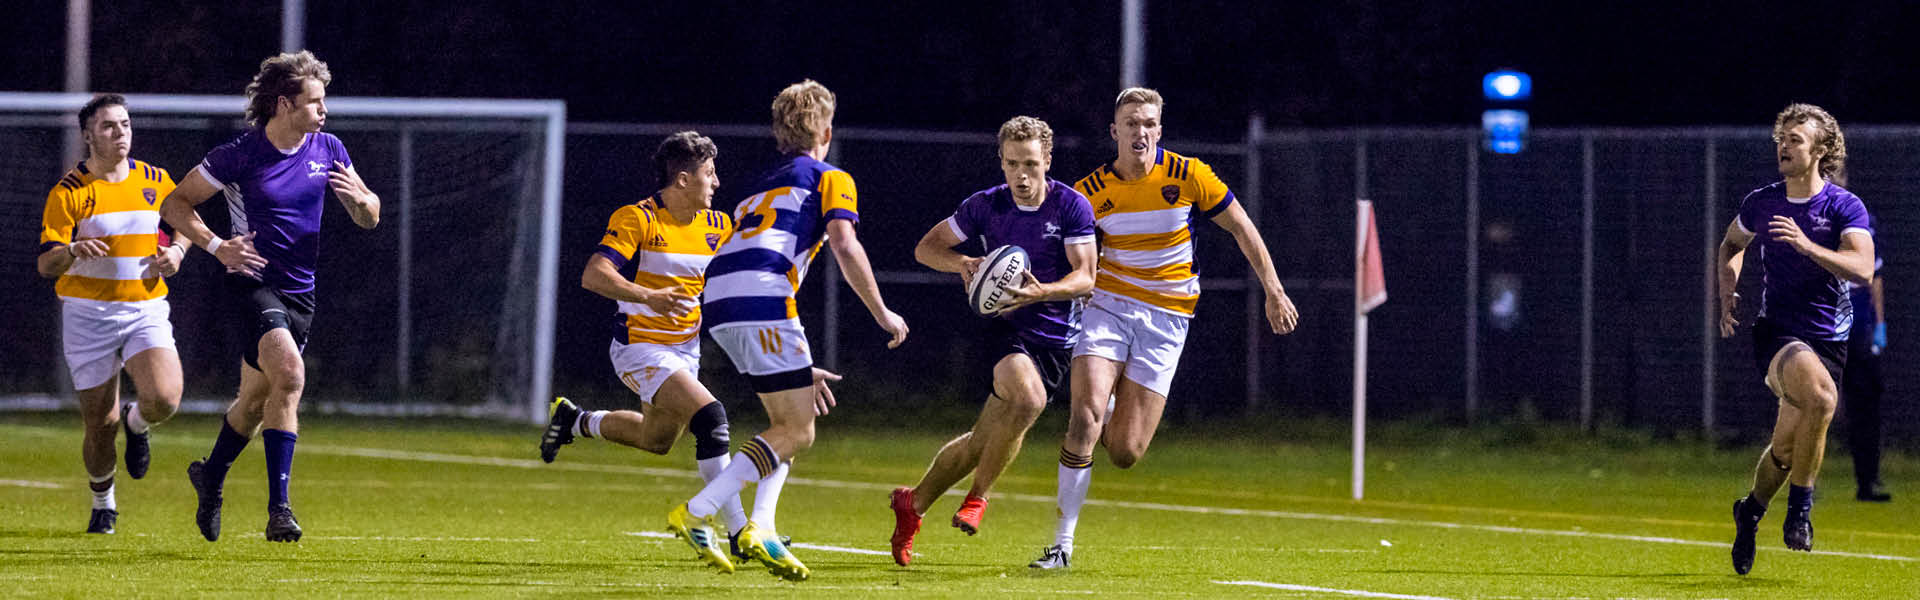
(1052, 231)
(315, 169)
(151, 195)
(713, 241)
(1171, 193)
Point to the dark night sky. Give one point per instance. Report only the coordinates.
(970, 65)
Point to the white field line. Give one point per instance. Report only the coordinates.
(801, 545)
(27, 483)
(675, 473)
(1308, 588)
(1206, 510)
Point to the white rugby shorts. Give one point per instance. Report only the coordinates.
(767, 348)
(1146, 340)
(100, 336)
(645, 367)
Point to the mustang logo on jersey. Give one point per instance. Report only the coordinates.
(315, 169)
(1053, 231)
(1171, 194)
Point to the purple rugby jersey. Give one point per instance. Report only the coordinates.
(1797, 294)
(278, 196)
(1045, 231)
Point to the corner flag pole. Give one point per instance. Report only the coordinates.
(1369, 291)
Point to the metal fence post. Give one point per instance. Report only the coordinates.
(1709, 328)
(1256, 132)
(1473, 279)
(1586, 282)
(403, 342)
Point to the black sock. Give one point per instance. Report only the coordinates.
(1799, 499)
(225, 449)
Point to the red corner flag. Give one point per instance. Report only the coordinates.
(1369, 279)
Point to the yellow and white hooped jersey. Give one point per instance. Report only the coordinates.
(761, 265)
(663, 254)
(124, 214)
(1146, 246)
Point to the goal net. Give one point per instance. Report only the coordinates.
(446, 308)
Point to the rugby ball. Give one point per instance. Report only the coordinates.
(1005, 267)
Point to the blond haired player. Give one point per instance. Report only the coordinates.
(100, 236)
(1136, 324)
(792, 211)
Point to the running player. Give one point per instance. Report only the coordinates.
(1136, 324)
(793, 209)
(1814, 237)
(668, 239)
(1032, 338)
(98, 236)
(275, 177)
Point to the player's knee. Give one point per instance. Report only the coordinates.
(1125, 454)
(286, 379)
(159, 404)
(709, 427)
(1024, 404)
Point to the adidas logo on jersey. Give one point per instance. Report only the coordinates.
(1106, 206)
(658, 241)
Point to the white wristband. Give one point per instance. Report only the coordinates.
(214, 244)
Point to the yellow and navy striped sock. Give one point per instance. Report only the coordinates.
(765, 460)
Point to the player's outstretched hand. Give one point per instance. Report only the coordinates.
(1784, 229)
(670, 303)
(893, 324)
(823, 401)
(1281, 315)
(88, 248)
(166, 260)
(239, 255)
(1029, 292)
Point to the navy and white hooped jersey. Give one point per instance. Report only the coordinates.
(778, 230)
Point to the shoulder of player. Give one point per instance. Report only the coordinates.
(1777, 188)
(70, 182)
(150, 171)
(1093, 183)
(1182, 167)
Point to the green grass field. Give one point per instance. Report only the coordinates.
(439, 507)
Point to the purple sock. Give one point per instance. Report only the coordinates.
(279, 464)
(226, 448)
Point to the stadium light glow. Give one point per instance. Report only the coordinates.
(1505, 129)
(1507, 85)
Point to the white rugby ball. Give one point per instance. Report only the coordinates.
(1005, 267)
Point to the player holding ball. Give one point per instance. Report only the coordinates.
(1033, 326)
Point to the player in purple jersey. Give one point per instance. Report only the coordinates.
(275, 178)
(1032, 337)
(1813, 238)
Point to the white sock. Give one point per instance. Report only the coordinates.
(135, 422)
(766, 497)
(593, 422)
(103, 499)
(732, 478)
(731, 510)
(1073, 493)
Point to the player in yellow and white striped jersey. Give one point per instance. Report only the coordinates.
(667, 240)
(100, 235)
(1135, 326)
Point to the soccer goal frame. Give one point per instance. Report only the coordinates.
(552, 118)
